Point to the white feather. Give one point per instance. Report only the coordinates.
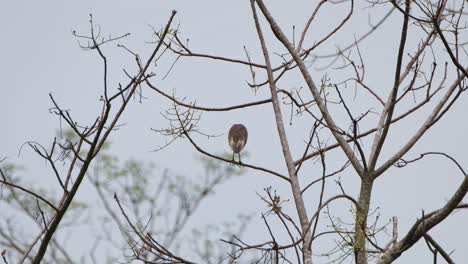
(231, 143)
(240, 144)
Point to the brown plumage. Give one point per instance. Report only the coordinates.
(237, 139)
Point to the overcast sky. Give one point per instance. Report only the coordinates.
(39, 55)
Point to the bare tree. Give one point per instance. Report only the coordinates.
(421, 89)
(417, 77)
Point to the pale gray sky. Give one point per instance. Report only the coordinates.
(39, 55)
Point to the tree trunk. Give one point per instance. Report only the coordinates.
(362, 211)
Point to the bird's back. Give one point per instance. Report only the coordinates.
(237, 137)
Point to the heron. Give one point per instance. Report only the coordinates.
(237, 139)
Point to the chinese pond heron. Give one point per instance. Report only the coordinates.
(237, 139)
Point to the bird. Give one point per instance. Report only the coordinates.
(237, 139)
